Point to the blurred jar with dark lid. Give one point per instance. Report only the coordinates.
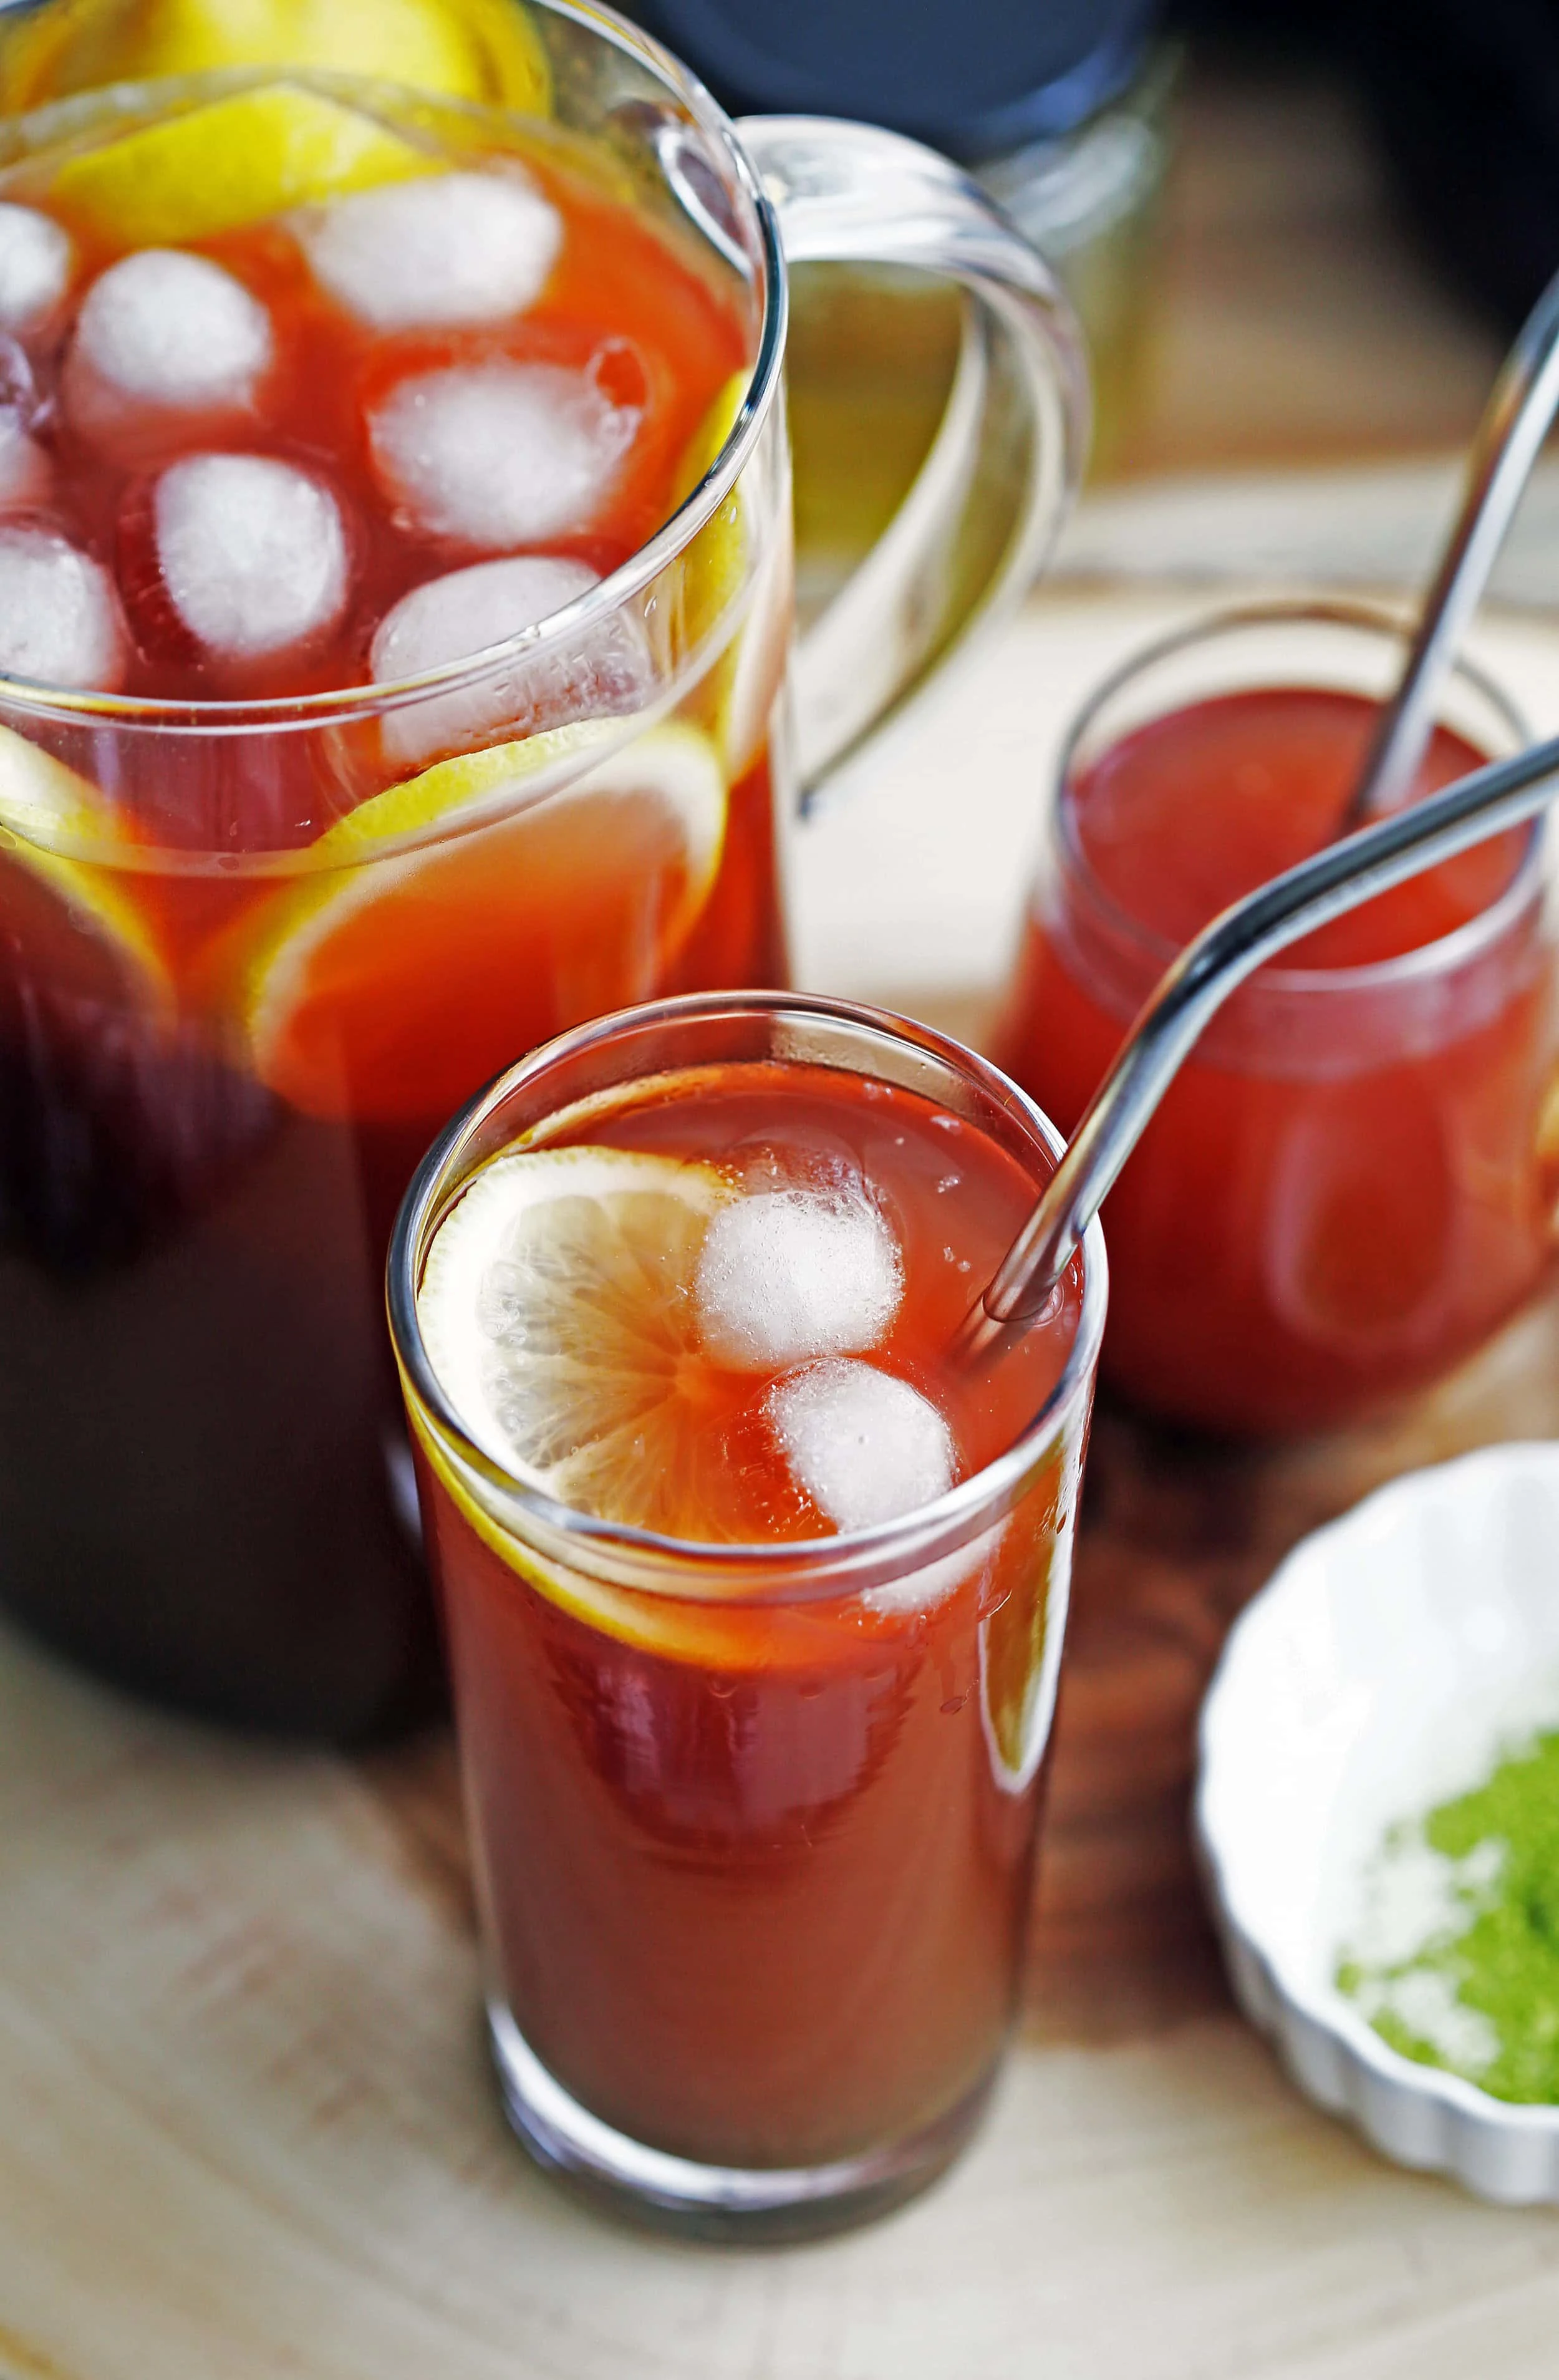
(1058, 106)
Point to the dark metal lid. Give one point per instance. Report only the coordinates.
(972, 77)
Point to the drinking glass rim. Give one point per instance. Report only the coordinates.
(339, 706)
(834, 1565)
(1444, 954)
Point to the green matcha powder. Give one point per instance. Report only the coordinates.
(1456, 1962)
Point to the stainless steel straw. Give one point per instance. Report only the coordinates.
(1517, 419)
(1341, 878)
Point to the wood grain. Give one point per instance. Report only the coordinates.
(246, 2124)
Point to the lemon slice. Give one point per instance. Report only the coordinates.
(557, 1311)
(73, 920)
(557, 1306)
(739, 692)
(235, 161)
(466, 49)
(390, 983)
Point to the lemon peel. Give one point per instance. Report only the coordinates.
(232, 161)
(460, 49)
(48, 816)
(1022, 1634)
(740, 687)
(772, 1638)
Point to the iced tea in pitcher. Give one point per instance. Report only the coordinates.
(329, 780)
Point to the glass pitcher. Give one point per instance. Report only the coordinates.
(254, 951)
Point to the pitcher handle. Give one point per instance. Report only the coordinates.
(1005, 462)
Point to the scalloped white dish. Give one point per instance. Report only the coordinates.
(1384, 1666)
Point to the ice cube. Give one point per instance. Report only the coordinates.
(59, 618)
(862, 1444)
(164, 330)
(604, 669)
(460, 248)
(501, 453)
(35, 260)
(786, 1275)
(26, 471)
(252, 552)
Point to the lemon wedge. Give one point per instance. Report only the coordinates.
(388, 983)
(237, 160)
(464, 49)
(740, 689)
(75, 920)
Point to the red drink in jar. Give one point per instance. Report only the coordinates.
(1341, 1195)
(754, 1596)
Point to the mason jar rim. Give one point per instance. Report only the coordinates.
(341, 706)
(687, 1568)
(1159, 950)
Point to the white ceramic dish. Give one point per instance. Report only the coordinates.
(1380, 1669)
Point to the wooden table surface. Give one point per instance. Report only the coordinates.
(246, 2126)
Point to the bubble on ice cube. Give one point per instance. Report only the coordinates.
(59, 618)
(605, 670)
(252, 552)
(460, 248)
(501, 453)
(35, 260)
(789, 1274)
(168, 331)
(862, 1444)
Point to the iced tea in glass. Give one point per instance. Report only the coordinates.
(1344, 1191)
(753, 1595)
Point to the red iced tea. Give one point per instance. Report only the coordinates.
(1340, 1194)
(754, 1852)
(306, 389)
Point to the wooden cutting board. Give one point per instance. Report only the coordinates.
(245, 2125)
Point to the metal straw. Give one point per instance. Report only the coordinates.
(1515, 422)
(1343, 877)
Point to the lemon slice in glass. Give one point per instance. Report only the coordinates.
(557, 1311)
(234, 160)
(74, 919)
(464, 49)
(389, 983)
(739, 692)
(1022, 1634)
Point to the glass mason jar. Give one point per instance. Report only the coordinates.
(253, 953)
(1344, 1191)
(753, 1826)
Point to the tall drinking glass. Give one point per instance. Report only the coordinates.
(253, 952)
(753, 1822)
